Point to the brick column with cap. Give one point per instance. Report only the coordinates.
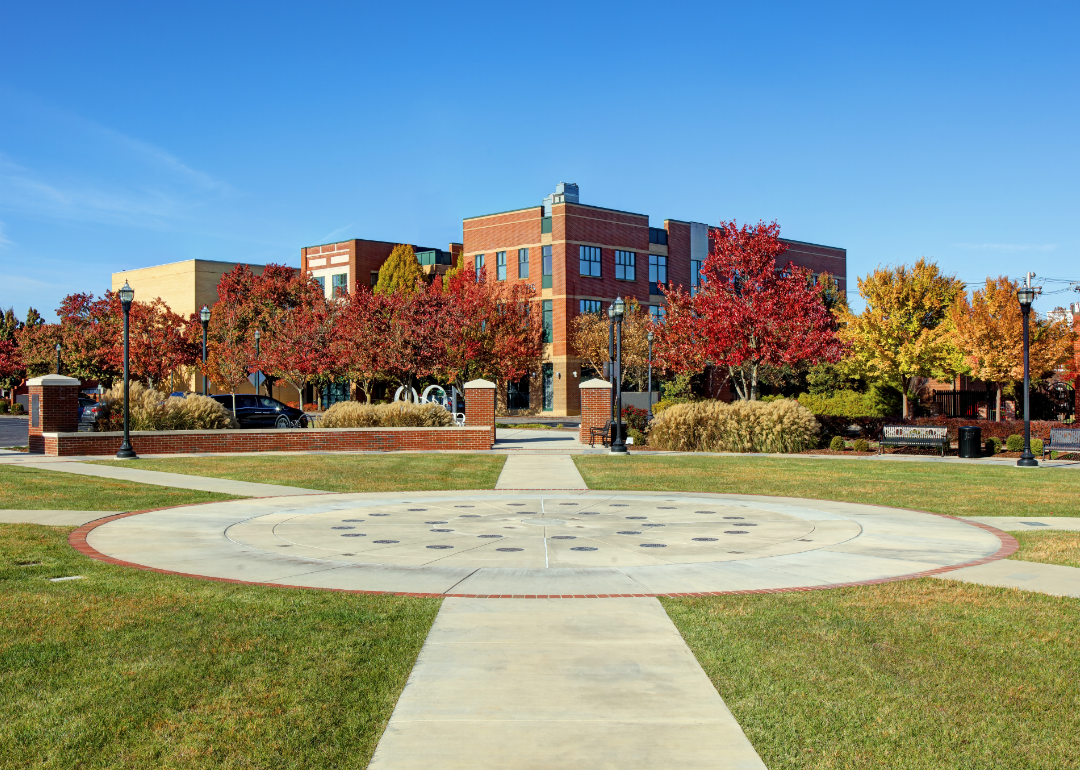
(480, 405)
(595, 406)
(54, 408)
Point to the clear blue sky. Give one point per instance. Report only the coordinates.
(137, 134)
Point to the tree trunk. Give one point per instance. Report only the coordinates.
(903, 393)
(753, 382)
(997, 409)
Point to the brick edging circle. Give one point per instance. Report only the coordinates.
(77, 540)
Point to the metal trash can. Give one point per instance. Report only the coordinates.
(970, 441)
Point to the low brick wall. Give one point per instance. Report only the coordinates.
(288, 440)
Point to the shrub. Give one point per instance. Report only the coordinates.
(663, 404)
(637, 435)
(993, 445)
(837, 444)
(844, 403)
(17, 408)
(401, 414)
(153, 410)
(1036, 446)
(636, 419)
(1015, 443)
(861, 445)
(4, 406)
(744, 426)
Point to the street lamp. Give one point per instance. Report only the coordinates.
(204, 316)
(611, 357)
(58, 358)
(650, 338)
(618, 446)
(258, 336)
(126, 295)
(1026, 295)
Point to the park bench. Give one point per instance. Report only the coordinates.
(914, 435)
(604, 434)
(1062, 440)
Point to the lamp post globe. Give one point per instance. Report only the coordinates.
(127, 294)
(618, 445)
(204, 317)
(58, 358)
(1025, 295)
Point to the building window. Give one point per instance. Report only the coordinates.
(545, 225)
(321, 280)
(590, 261)
(658, 235)
(624, 265)
(523, 263)
(545, 267)
(478, 264)
(500, 265)
(657, 272)
(339, 284)
(549, 326)
(658, 313)
(374, 278)
(696, 278)
(589, 306)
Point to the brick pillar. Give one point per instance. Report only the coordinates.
(54, 408)
(595, 407)
(480, 405)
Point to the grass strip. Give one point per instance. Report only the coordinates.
(958, 490)
(133, 669)
(339, 473)
(1049, 547)
(35, 489)
(918, 674)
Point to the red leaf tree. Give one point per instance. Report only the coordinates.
(750, 317)
(358, 348)
(297, 343)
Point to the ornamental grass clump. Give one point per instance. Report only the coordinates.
(400, 414)
(153, 410)
(744, 426)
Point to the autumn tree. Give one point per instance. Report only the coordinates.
(357, 347)
(589, 336)
(400, 273)
(988, 331)
(12, 370)
(905, 331)
(298, 347)
(37, 344)
(160, 345)
(750, 314)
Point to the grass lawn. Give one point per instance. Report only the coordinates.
(531, 426)
(918, 674)
(33, 489)
(341, 473)
(133, 669)
(959, 490)
(1049, 547)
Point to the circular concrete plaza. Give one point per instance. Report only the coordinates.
(530, 544)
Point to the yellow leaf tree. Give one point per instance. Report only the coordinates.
(989, 333)
(400, 272)
(905, 331)
(589, 339)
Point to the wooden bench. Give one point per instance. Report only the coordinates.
(914, 435)
(1062, 440)
(604, 434)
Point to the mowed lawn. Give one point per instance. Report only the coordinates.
(1049, 547)
(127, 668)
(958, 490)
(34, 489)
(341, 473)
(913, 675)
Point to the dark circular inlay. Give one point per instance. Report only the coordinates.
(590, 513)
(582, 548)
(385, 542)
(374, 514)
(704, 539)
(567, 503)
(627, 533)
(654, 525)
(418, 509)
(435, 522)
(652, 545)
(704, 511)
(464, 506)
(470, 516)
(489, 535)
(377, 514)
(748, 524)
(353, 534)
(342, 527)
(666, 507)
(287, 545)
(524, 513)
(348, 554)
(564, 537)
(736, 532)
(620, 505)
(509, 549)
(440, 547)
(637, 517)
(442, 530)
(733, 517)
(515, 505)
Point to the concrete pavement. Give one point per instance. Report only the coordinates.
(536, 471)
(1052, 579)
(537, 440)
(564, 683)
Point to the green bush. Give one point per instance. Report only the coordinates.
(637, 435)
(1036, 446)
(770, 399)
(400, 414)
(837, 444)
(861, 445)
(153, 410)
(4, 406)
(663, 404)
(1015, 443)
(844, 403)
(744, 426)
(993, 445)
(17, 408)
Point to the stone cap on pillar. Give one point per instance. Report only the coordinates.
(597, 383)
(480, 384)
(53, 380)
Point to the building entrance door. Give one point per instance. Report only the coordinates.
(549, 387)
(517, 393)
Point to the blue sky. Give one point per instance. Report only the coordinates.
(137, 134)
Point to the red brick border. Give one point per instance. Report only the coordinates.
(77, 540)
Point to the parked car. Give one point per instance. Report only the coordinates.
(261, 411)
(89, 410)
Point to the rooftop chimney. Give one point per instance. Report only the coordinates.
(565, 192)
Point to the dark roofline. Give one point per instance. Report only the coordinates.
(497, 213)
(369, 240)
(818, 245)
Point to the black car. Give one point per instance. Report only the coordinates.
(89, 412)
(261, 411)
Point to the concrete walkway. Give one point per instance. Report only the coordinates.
(52, 518)
(1029, 523)
(562, 683)
(175, 480)
(537, 440)
(540, 472)
(1050, 579)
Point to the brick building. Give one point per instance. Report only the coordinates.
(345, 264)
(581, 257)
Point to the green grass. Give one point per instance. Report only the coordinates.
(34, 489)
(959, 490)
(919, 674)
(341, 473)
(134, 669)
(530, 426)
(1049, 547)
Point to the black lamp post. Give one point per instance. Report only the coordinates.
(204, 316)
(58, 358)
(1026, 295)
(611, 357)
(258, 352)
(126, 295)
(650, 337)
(618, 446)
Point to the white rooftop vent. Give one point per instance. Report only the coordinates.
(565, 192)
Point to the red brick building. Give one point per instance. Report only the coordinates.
(581, 257)
(357, 261)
